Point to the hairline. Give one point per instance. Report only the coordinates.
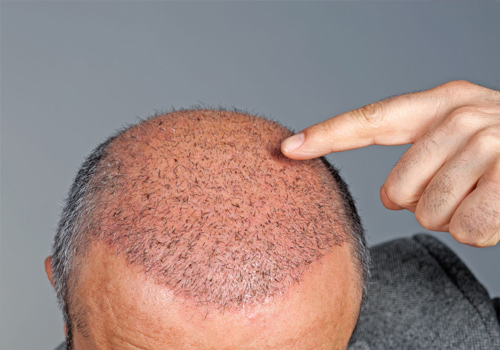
(355, 238)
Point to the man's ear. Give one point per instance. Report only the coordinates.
(48, 269)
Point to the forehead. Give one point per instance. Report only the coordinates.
(125, 309)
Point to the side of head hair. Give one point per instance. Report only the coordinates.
(205, 203)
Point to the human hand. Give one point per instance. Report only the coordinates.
(450, 176)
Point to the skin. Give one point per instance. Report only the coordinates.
(125, 309)
(450, 176)
(450, 179)
(222, 197)
(125, 293)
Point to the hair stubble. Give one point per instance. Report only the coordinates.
(205, 203)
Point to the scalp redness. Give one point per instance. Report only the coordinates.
(206, 204)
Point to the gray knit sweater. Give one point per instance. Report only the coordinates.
(422, 296)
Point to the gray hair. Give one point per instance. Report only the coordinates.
(69, 229)
(70, 238)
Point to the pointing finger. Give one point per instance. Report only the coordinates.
(395, 121)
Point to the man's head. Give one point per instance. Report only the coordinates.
(191, 230)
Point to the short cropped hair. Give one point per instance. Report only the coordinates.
(206, 204)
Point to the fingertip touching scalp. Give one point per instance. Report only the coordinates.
(206, 204)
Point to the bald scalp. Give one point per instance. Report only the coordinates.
(205, 203)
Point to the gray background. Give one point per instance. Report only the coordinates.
(72, 72)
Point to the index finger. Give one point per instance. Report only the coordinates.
(394, 121)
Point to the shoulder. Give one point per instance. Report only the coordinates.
(423, 296)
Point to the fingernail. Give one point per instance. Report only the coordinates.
(292, 143)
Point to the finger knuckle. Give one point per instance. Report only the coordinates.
(458, 85)
(391, 192)
(492, 176)
(371, 115)
(461, 236)
(425, 218)
(398, 195)
(485, 141)
(478, 227)
(463, 119)
(432, 211)
(438, 196)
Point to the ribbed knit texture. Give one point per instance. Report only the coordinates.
(422, 296)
